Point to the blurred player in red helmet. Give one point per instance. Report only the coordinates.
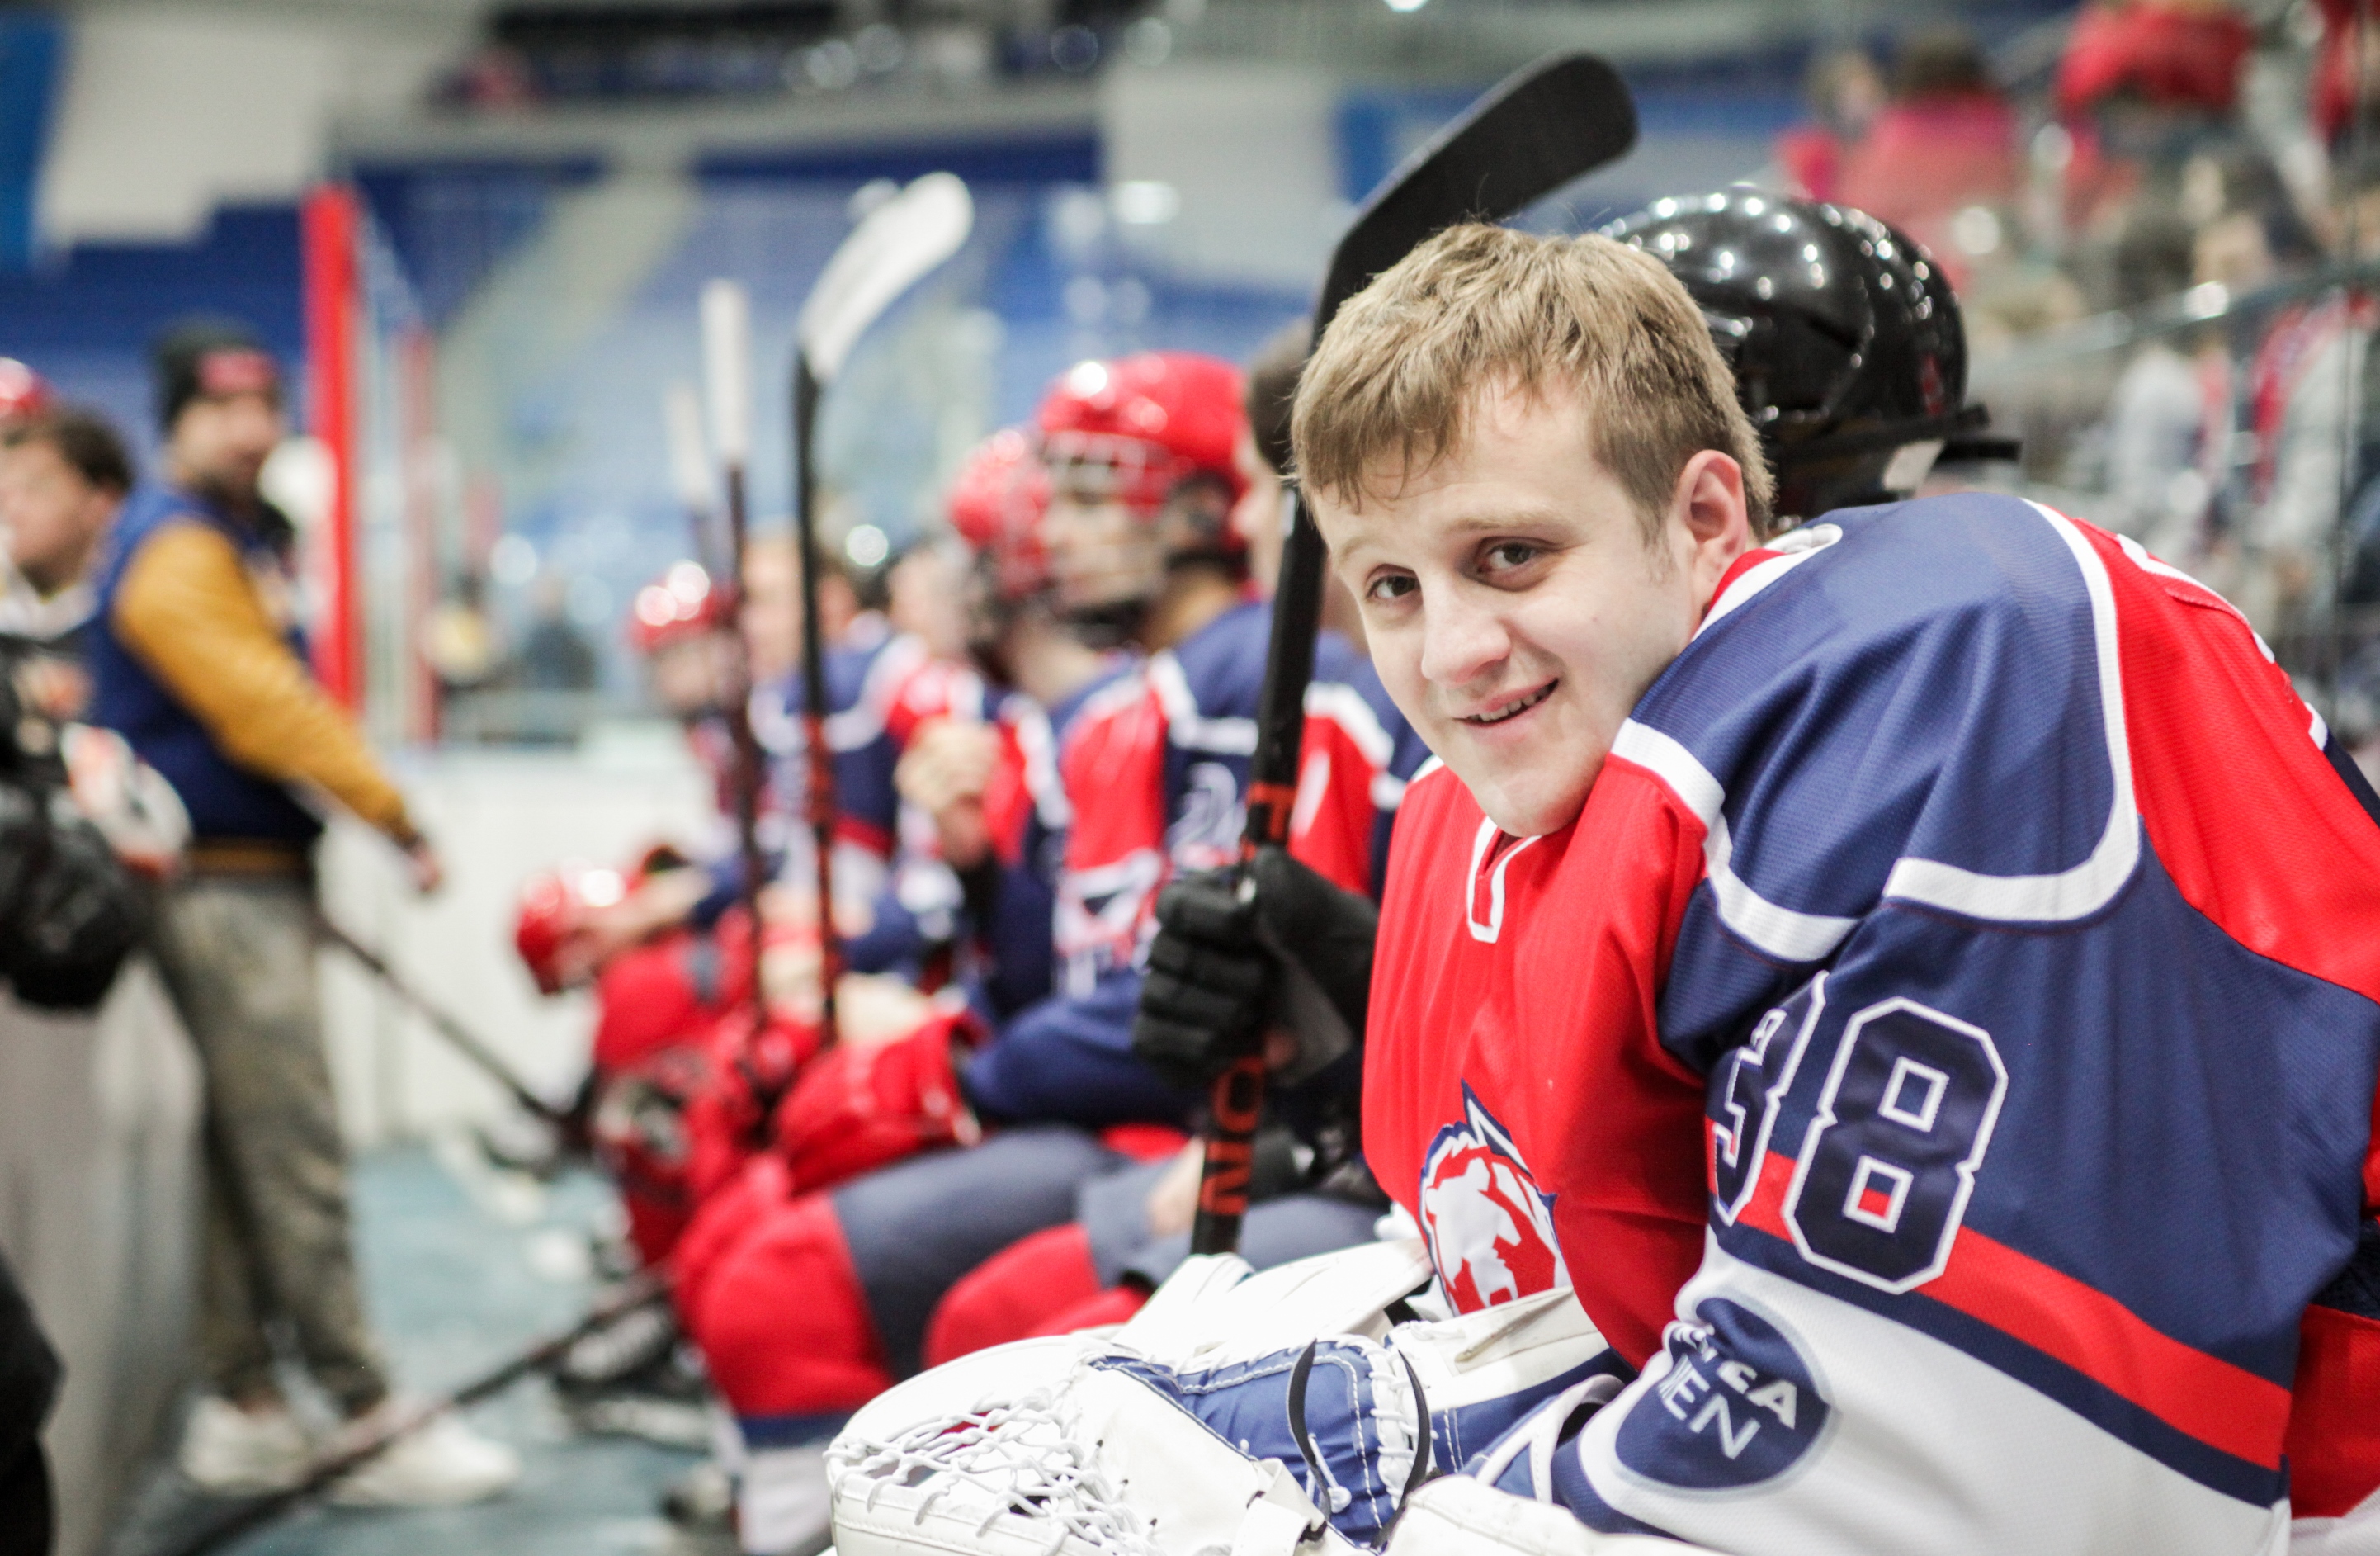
(24, 394)
(1145, 779)
(1142, 473)
(680, 624)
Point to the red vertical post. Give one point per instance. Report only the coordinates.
(417, 437)
(327, 235)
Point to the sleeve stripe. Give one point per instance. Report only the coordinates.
(1346, 707)
(2068, 894)
(2089, 886)
(1780, 931)
(1189, 728)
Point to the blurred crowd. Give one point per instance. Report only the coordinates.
(2152, 230)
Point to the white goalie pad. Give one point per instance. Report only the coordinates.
(1253, 1414)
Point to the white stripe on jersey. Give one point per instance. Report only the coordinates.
(1928, 1453)
(2073, 894)
(2083, 890)
(1781, 931)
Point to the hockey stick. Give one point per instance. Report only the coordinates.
(691, 469)
(639, 1291)
(893, 247)
(727, 372)
(1542, 126)
(443, 1021)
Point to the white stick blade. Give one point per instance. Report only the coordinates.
(727, 368)
(689, 461)
(898, 245)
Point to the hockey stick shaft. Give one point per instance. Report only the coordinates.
(818, 792)
(326, 1472)
(469, 1044)
(750, 768)
(890, 249)
(1541, 127)
(726, 361)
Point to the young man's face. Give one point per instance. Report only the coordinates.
(219, 442)
(1514, 610)
(1101, 554)
(50, 513)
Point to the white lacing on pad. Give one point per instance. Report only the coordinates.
(1023, 1455)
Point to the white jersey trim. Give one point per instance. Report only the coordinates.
(1186, 726)
(2089, 886)
(1927, 1449)
(1795, 548)
(1779, 930)
(2068, 894)
(864, 720)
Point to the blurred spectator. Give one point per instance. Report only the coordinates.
(2143, 84)
(2169, 420)
(2304, 391)
(1845, 93)
(200, 665)
(63, 476)
(459, 641)
(2160, 56)
(554, 655)
(1944, 147)
(2346, 83)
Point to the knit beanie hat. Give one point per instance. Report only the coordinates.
(209, 358)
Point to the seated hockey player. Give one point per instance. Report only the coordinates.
(1802, 945)
(1311, 1192)
(1140, 555)
(1760, 808)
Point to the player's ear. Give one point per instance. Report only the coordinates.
(1708, 504)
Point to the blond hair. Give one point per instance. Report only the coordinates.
(1397, 376)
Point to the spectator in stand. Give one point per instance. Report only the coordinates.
(1845, 93)
(554, 655)
(2305, 394)
(2345, 72)
(197, 662)
(2168, 419)
(1946, 143)
(2143, 84)
(63, 476)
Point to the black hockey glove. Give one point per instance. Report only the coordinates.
(1231, 959)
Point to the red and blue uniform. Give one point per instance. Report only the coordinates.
(1941, 1055)
(1153, 766)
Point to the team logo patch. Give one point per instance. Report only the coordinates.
(1731, 1403)
(1492, 1232)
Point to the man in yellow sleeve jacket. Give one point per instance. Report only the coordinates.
(198, 663)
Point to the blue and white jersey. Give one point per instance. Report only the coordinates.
(2014, 936)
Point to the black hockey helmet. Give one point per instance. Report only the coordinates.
(1844, 337)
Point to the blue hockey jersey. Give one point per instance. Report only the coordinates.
(1961, 985)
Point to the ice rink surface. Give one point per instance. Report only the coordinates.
(463, 1269)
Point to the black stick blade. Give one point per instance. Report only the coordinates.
(1564, 116)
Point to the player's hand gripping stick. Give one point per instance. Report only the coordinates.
(1542, 126)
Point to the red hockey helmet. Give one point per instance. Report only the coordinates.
(1147, 424)
(553, 906)
(680, 604)
(995, 506)
(23, 392)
